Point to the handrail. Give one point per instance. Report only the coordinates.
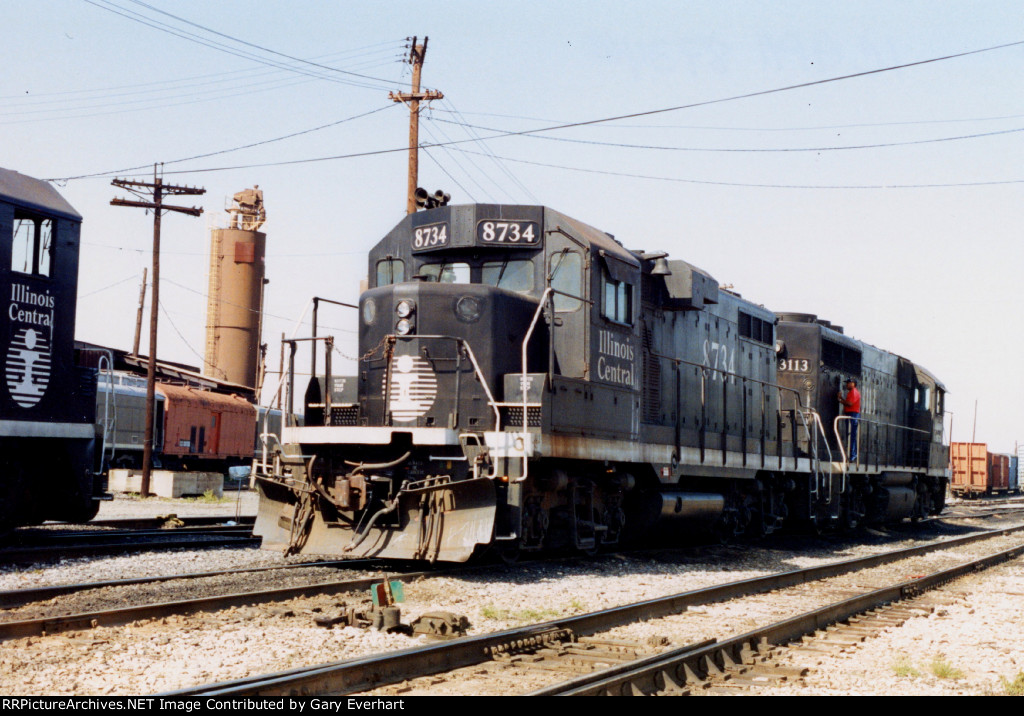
(817, 460)
(876, 423)
(109, 407)
(525, 344)
(707, 370)
(463, 343)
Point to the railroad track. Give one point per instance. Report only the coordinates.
(57, 623)
(131, 523)
(562, 644)
(759, 658)
(20, 597)
(91, 544)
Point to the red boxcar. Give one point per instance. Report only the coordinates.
(201, 427)
(999, 472)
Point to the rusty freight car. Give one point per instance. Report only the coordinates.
(977, 472)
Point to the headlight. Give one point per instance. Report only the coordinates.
(467, 309)
(369, 311)
(404, 309)
(403, 326)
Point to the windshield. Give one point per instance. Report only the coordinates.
(511, 274)
(445, 273)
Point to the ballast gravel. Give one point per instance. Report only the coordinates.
(980, 638)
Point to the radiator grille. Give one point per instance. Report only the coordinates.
(346, 416)
(514, 416)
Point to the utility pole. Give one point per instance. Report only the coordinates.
(138, 316)
(157, 189)
(416, 56)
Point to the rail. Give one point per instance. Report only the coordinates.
(892, 430)
(109, 408)
(391, 340)
(815, 491)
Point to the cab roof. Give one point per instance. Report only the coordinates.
(34, 194)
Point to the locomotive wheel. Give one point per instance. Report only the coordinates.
(508, 552)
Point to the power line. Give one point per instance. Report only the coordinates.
(38, 98)
(259, 47)
(719, 128)
(454, 158)
(247, 308)
(109, 6)
(755, 185)
(502, 167)
(116, 283)
(677, 108)
(455, 181)
(754, 149)
(226, 151)
(185, 96)
(182, 337)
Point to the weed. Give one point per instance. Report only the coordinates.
(207, 496)
(903, 667)
(1015, 687)
(491, 612)
(941, 668)
(524, 616)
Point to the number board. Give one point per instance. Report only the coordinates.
(795, 365)
(508, 233)
(430, 236)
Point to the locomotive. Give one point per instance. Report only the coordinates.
(526, 383)
(48, 434)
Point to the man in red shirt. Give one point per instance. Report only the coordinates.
(851, 409)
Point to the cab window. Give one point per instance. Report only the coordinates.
(32, 249)
(390, 271)
(922, 397)
(567, 277)
(445, 273)
(616, 300)
(514, 275)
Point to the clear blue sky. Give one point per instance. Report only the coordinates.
(837, 225)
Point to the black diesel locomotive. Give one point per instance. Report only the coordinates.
(48, 433)
(527, 383)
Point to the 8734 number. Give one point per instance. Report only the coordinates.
(430, 236)
(507, 232)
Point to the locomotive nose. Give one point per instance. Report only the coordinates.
(435, 354)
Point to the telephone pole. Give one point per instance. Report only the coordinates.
(138, 316)
(157, 189)
(416, 56)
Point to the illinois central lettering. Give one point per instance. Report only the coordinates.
(616, 359)
(28, 363)
(30, 307)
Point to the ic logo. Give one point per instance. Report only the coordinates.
(28, 366)
(413, 388)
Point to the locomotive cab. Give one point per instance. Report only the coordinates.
(47, 404)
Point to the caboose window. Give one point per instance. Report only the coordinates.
(617, 300)
(445, 273)
(390, 271)
(514, 275)
(32, 249)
